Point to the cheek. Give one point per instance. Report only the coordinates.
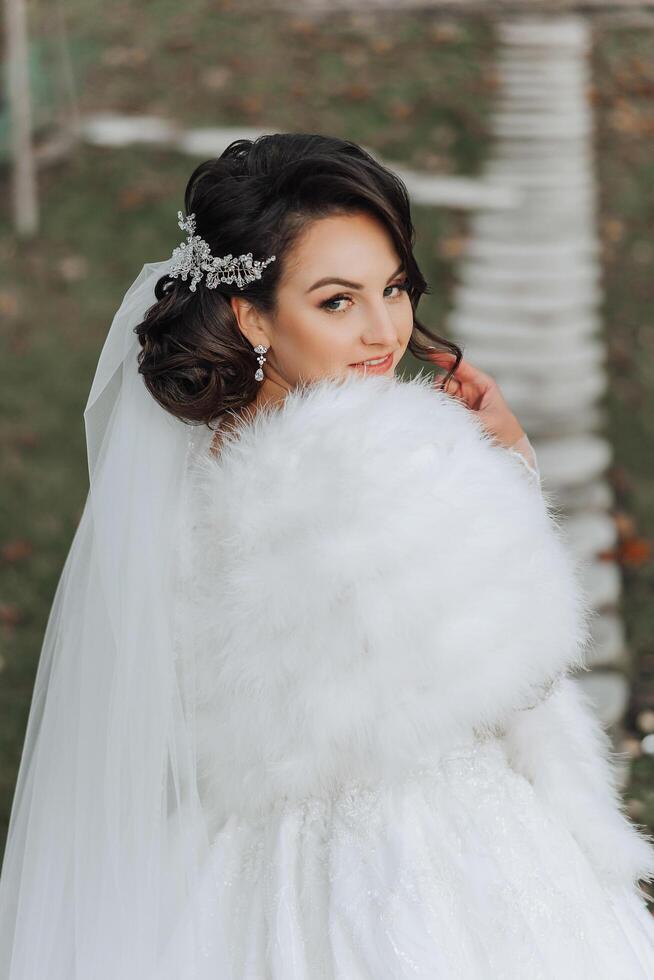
(404, 320)
(311, 338)
(325, 339)
(334, 346)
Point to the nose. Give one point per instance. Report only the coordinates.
(380, 328)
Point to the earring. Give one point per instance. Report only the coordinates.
(260, 350)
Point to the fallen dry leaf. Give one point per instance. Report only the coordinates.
(635, 552)
(16, 550)
(10, 614)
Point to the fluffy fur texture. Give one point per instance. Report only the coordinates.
(562, 749)
(375, 580)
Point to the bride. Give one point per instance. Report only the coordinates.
(304, 708)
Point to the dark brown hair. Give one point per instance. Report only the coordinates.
(258, 196)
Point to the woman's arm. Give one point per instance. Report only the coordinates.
(481, 394)
(558, 743)
(562, 748)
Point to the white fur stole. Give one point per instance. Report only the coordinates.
(375, 579)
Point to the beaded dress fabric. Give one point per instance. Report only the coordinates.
(382, 802)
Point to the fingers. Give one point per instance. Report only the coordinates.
(438, 355)
(468, 384)
(480, 392)
(465, 367)
(444, 359)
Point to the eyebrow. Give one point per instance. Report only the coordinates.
(346, 282)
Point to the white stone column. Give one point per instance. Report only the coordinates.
(526, 306)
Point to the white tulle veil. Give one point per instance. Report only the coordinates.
(107, 836)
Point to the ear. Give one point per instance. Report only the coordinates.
(250, 322)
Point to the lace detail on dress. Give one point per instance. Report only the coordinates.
(524, 451)
(457, 873)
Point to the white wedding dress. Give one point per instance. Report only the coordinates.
(459, 869)
(454, 875)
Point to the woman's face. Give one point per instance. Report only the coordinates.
(323, 327)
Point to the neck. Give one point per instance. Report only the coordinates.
(272, 390)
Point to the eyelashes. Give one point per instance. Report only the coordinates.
(325, 305)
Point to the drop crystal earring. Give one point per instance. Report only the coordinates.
(260, 350)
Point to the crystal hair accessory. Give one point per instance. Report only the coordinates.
(193, 258)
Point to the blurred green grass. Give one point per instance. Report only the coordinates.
(415, 88)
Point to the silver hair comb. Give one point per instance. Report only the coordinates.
(193, 258)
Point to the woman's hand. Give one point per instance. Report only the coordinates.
(481, 393)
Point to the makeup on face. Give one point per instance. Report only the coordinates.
(375, 365)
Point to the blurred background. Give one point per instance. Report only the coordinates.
(525, 134)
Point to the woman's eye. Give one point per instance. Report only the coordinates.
(325, 305)
(402, 286)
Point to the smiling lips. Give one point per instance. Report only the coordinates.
(377, 364)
